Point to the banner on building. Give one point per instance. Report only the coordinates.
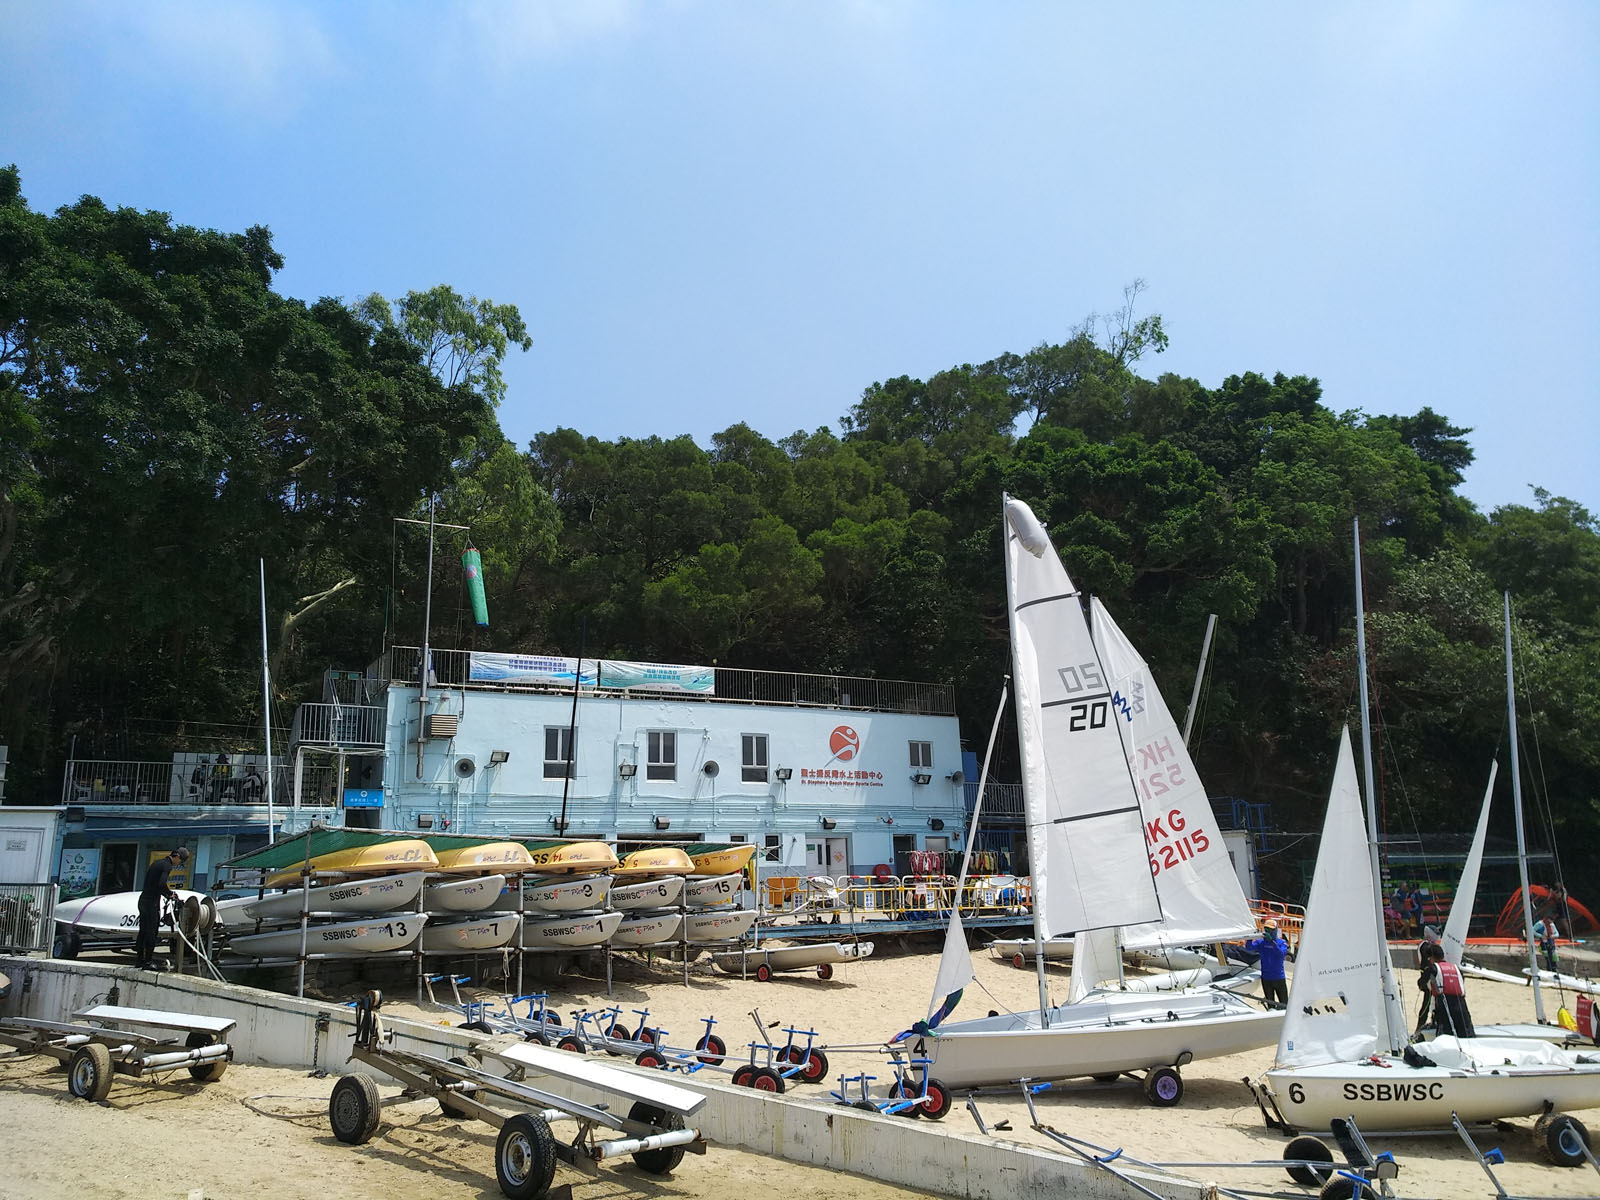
(658, 677)
(549, 671)
(80, 872)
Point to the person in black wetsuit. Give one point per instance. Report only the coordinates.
(156, 889)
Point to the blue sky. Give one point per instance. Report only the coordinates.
(712, 212)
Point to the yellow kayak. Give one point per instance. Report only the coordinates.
(573, 858)
(500, 858)
(658, 860)
(720, 860)
(373, 858)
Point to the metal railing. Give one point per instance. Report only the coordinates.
(27, 912)
(124, 781)
(452, 668)
(897, 897)
(356, 725)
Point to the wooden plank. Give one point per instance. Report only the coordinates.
(157, 1018)
(579, 1069)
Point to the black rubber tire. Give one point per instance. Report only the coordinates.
(825, 971)
(1109, 1077)
(906, 1089)
(450, 1110)
(763, 973)
(650, 1037)
(206, 1072)
(767, 1080)
(89, 1072)
(711, 1049)
(814, 1067)
(1019, 960)
(938, 1101)
(865, 1106)
(1342, 1187)
(660, 1161)
(525, 1157)
(1560, 1141)
(744, 1076)
(572, 1044)
(1314, 1150)
(477, 1027)
(353, 1109)
(1163, 1087)
(620, 1033)
(68, 945)
(652, 1059)
(536, 1035)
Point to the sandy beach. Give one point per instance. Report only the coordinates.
(261, 1128)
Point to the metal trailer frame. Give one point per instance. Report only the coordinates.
(97, 1047)
(526, 1151)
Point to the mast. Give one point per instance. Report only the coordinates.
(427, 653)
(266, 699)
(1394, 1015)
(1199, 675)
(1522, 845)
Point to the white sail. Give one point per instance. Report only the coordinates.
(1085, 828)
(1096, 957)
(1455, 926)
(1336, 999)
(1201, 900)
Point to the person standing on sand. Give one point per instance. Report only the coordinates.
(156, 890)
(1272, 950)
(1545, 930)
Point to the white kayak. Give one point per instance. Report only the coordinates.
(651, 893)
(488, 931)
(115, 916)
(648, 929)
(380, 894)
(567, 895)
(718, 924)
(764, 960)
(1022, 951)
(373, 935)
(706, 891)
(581, 929)
(463, 895)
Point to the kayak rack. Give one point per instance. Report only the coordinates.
(526, 1151)
(98, 1045)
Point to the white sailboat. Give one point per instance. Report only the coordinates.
(1096, 740)
(1343, 1051)
(379, 894)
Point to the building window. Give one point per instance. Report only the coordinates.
(662, 760)
(558, 751)
(922, 756)
(772, 848)
(755, 758)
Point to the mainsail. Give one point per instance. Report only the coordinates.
(1336, 999)
(1085, 827)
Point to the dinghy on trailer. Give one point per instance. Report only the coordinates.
(113, 919)
(766, 960)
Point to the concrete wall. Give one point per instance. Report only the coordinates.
(281, 1031)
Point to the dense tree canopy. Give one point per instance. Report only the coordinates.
(167, 419)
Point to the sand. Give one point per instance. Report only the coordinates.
(258, 1126)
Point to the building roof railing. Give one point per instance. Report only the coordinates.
(401, 665)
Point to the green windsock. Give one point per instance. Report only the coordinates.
(472, 564)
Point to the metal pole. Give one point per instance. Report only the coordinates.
(1522, 846)
(266, 700)
(1199, 674)
(572, 724)
(427, 625)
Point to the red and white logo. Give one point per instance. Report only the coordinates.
(845, 743)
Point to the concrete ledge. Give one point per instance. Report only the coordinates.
(279, 1030)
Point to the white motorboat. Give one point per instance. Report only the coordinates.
(707, 891)
(114, 917)
(717, 924)
(1117, 818)
(648, 929)
(574, 929)
(379, 894)
(566, 895)
(650, 893)
(473, 894)
(370, 935)
(488, 931)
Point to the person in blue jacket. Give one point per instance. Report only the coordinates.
(1272, 950)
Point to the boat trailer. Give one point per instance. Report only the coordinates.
(98, 1045)
(526, 1151)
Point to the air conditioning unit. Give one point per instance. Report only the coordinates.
(441, 726)
(466, 767)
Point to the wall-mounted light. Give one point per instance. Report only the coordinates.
(663, 822)
(560, 823)
(935, 823)
(626, 770)
(956, 777)
(921, 777)
(424, 820)
(496, 757)
(784, 774)
(829, 823)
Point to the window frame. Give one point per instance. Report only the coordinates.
(556, 767)
(926, 757)
(755, 768)
(661, 754)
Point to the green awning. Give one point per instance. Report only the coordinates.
(292, 851)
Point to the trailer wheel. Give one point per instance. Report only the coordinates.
(206, 1072)
(525, 1157)
(825, 971)
(1311, 1150)
(712, 1049)
(1019, 960)
(620, 1033)
(766, 1079)
(353, 1109)
(452, 1110)
(1163, 1087)
(573, 1044)
(1108, 1077)
(1564, 1140)
(662, 1160)
(744, 1076)
(68, 945)
(814, 1066)
(763, 973)
(477, 1027)
(937, 1102)
(652, 1059)
(535, 1035)
(1345, 1187)
(89, 1073)
(865, 1106)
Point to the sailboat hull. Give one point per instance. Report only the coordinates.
(651, 893)
(471, 933)
(578, 894)
(1388, 1094)
(463, 895)
(1099, 1035)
